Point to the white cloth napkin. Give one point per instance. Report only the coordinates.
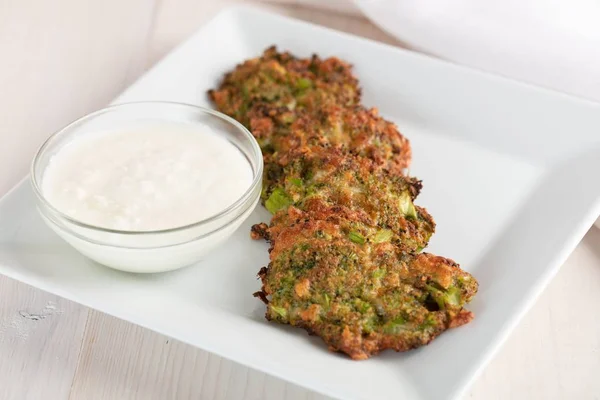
(552, 43)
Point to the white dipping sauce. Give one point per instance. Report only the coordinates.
(146, 177)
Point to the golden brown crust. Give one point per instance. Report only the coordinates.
(259, 231)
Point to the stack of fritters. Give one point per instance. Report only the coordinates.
(346, 237)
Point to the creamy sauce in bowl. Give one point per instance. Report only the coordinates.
(146, 177)
(148, 186)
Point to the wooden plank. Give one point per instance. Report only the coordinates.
(123, 361)
(40, 338)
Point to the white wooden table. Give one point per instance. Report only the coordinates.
(64, 58)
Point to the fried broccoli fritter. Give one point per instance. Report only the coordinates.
(327, 181)
(280, 81)
(289, 103)
(361, 296)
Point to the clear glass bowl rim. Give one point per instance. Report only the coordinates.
(246, 197)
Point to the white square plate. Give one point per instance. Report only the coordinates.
(510, 174)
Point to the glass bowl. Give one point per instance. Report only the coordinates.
(160, 250)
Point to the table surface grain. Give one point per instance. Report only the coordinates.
(65, 58)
